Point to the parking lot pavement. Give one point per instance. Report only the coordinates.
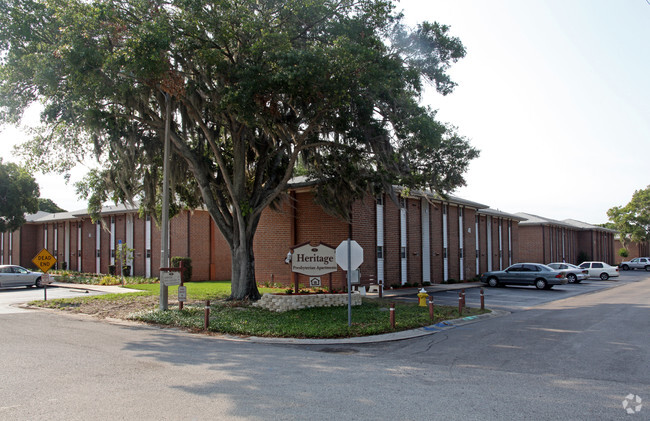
(510, 298)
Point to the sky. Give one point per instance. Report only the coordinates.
(554, 93)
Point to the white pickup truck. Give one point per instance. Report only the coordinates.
(636, 263)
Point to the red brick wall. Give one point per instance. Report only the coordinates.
(435, 226)
(199, 244)
(469, 240)
(364, 221)
(414, 240)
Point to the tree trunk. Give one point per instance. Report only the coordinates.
(243, 284)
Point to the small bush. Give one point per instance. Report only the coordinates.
(187, 264)
(623, 252)
(583, 257)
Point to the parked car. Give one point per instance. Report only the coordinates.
(600, 270)
(16, 276)
(636, 263)
(542, 276)
(574, 274)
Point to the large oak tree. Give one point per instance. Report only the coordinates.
(254, 86)
(632, 221)
(18, 196)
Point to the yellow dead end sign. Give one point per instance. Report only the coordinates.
(44, 260)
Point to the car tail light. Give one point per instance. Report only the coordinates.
(560, 275)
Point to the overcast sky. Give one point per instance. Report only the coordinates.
(554, 93)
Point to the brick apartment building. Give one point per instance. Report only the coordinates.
(634, 249)
(547, 240)
(422, 238)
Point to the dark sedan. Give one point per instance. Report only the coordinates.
(541, 276)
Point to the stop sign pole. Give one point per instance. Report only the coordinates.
(349, 262)
(349, 282)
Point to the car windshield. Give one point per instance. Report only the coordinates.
(545, 268)
(572, 266)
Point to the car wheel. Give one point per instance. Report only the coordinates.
(38, 283)
(572, 278)
(540, 284)
(647, 268)
(604, 276)
(493, 282)
(625, 267)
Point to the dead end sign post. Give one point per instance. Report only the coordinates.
(349, 255)
(44, 261)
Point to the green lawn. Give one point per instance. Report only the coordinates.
(205, 290)
(239, 318)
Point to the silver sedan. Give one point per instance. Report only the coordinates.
(16, 276)
(574, 274)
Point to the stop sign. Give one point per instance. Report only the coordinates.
(356, 255)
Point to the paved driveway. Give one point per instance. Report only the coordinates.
(11, 299)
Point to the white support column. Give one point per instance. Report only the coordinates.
(79, 248)
(461, 250)
(147, 245)
(380, 237)
(403, 239)
(98, 247)
(113, 240)
(478, 247)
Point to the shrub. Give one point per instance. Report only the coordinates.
(583, 257)
(623, 252)
(187, 264)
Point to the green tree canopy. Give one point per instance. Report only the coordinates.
(254, 86)
(47, 205)
(632, 221)
(18, 196)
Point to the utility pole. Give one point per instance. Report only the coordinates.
(164, 240)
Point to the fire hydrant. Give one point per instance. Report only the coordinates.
(422, 298)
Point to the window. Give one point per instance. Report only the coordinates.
(149, 254)
(380, 200)
(380, 252)
(403, 252)
(597, 265)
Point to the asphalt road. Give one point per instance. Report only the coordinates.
(576, 358)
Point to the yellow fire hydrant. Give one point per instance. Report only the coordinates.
(422, 298)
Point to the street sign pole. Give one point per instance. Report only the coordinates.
(349, 281)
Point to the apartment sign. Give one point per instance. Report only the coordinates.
(314, 261)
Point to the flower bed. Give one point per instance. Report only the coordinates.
(281, 302)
